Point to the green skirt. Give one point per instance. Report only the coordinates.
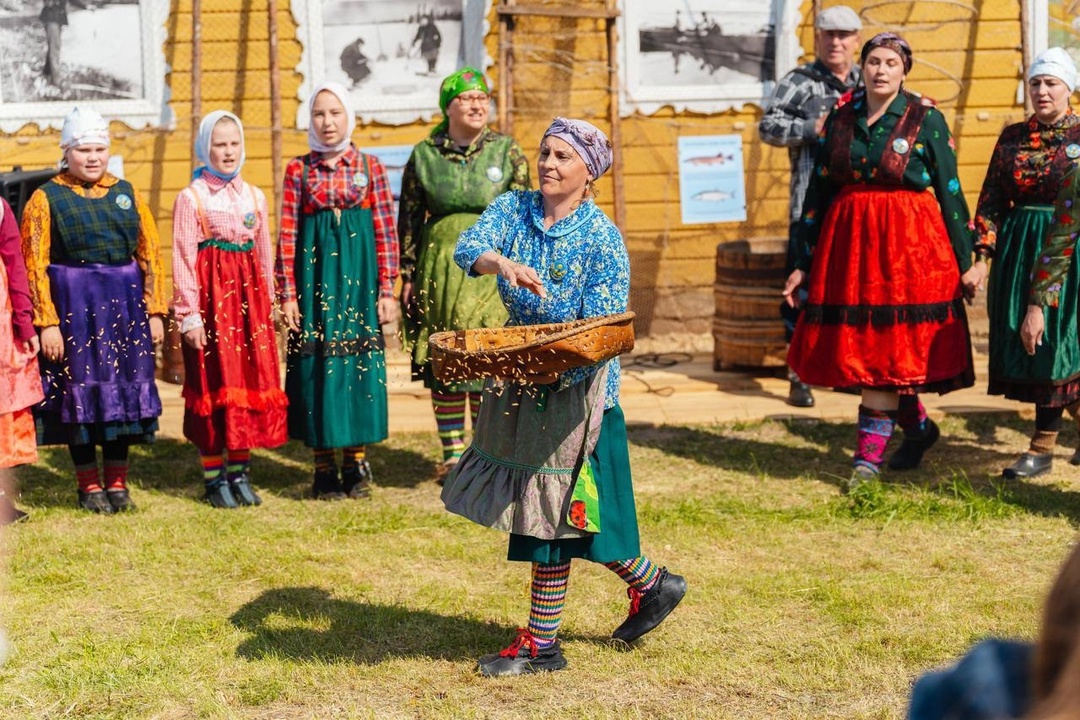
(1050, 377)
(618, 538)
(447, 298)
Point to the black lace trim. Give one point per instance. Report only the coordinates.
(336, 348)
(885, 315)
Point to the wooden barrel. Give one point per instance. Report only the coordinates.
(747, 329)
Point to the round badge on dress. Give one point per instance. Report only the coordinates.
(360, 180)
(123, 202)
(249, 220)
(1072, 151)
(901, 146)
(557, 271)
(494, 173)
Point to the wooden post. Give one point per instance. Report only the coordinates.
(506, 69)
(275, 107)
(196, 74)
(619, 199)
(1025, 53)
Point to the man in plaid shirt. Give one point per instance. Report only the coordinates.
(794, 118)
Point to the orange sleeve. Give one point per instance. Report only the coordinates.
(36, 234)
(148, 255)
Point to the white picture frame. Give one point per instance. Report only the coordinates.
(705, 56)
(397, 88)
(124, 81)
(1053, 22)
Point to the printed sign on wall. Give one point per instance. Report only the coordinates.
(711, 186)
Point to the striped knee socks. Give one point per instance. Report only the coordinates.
(549, 583)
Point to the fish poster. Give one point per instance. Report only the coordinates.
(711, 185)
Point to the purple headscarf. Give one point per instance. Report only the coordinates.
(893, 42)
(588, 141)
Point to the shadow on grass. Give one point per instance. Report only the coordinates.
(823, 450)
(172, 467)
(308, 623)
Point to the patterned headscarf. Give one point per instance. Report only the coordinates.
(463, 80)
(587, 140)
(202, 145)
(84, 126)
(337, 90)
(893, 42)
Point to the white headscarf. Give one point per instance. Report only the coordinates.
(84, 127)
(202, 145)
(342, 95)
(1055, 62)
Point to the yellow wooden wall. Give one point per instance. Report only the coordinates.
(561, 69)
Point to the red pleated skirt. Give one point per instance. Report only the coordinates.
(884, 309)
(232, 387)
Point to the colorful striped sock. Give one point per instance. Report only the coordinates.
(549, 583)
(88, 477)
(639, 573)
(239, 462)
(116, 474)
(212, 466)
(324, 459)
(84, 458)
(352, 456)
(875, 429)
(450, 422)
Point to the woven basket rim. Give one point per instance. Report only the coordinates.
(572, 327)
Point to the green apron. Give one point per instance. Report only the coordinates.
(1012, 371)
(336, 370)
(455, 193)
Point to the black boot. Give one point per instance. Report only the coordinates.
(219, 495)
(356, 481)
(327, 486)
(240, 485)
(96, 502)
(120, 499)
(1029, 465)
(523, 657)
(909, 454)
(647, 610)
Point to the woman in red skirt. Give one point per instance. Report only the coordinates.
(887, 263)
(222, 272)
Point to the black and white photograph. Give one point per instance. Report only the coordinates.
(705, 55)
(391, 54)
(55, 53)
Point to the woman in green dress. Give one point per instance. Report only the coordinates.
(451, 177)
(1015, 212)
(336, 267)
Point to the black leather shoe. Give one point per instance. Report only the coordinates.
(523, 657)
(909, 454)
(356, 481)
(242, 492)
(1075, 459)
(800, 395)
(327, 486)
(96, 502)
(120, 499)
(649, 609)
(1029, 465)
(219, 495)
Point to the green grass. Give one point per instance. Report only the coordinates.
(803, 603)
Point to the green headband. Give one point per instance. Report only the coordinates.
(463, 80)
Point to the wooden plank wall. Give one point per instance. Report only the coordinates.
(561, 69)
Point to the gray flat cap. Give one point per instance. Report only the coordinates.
(838, 17)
